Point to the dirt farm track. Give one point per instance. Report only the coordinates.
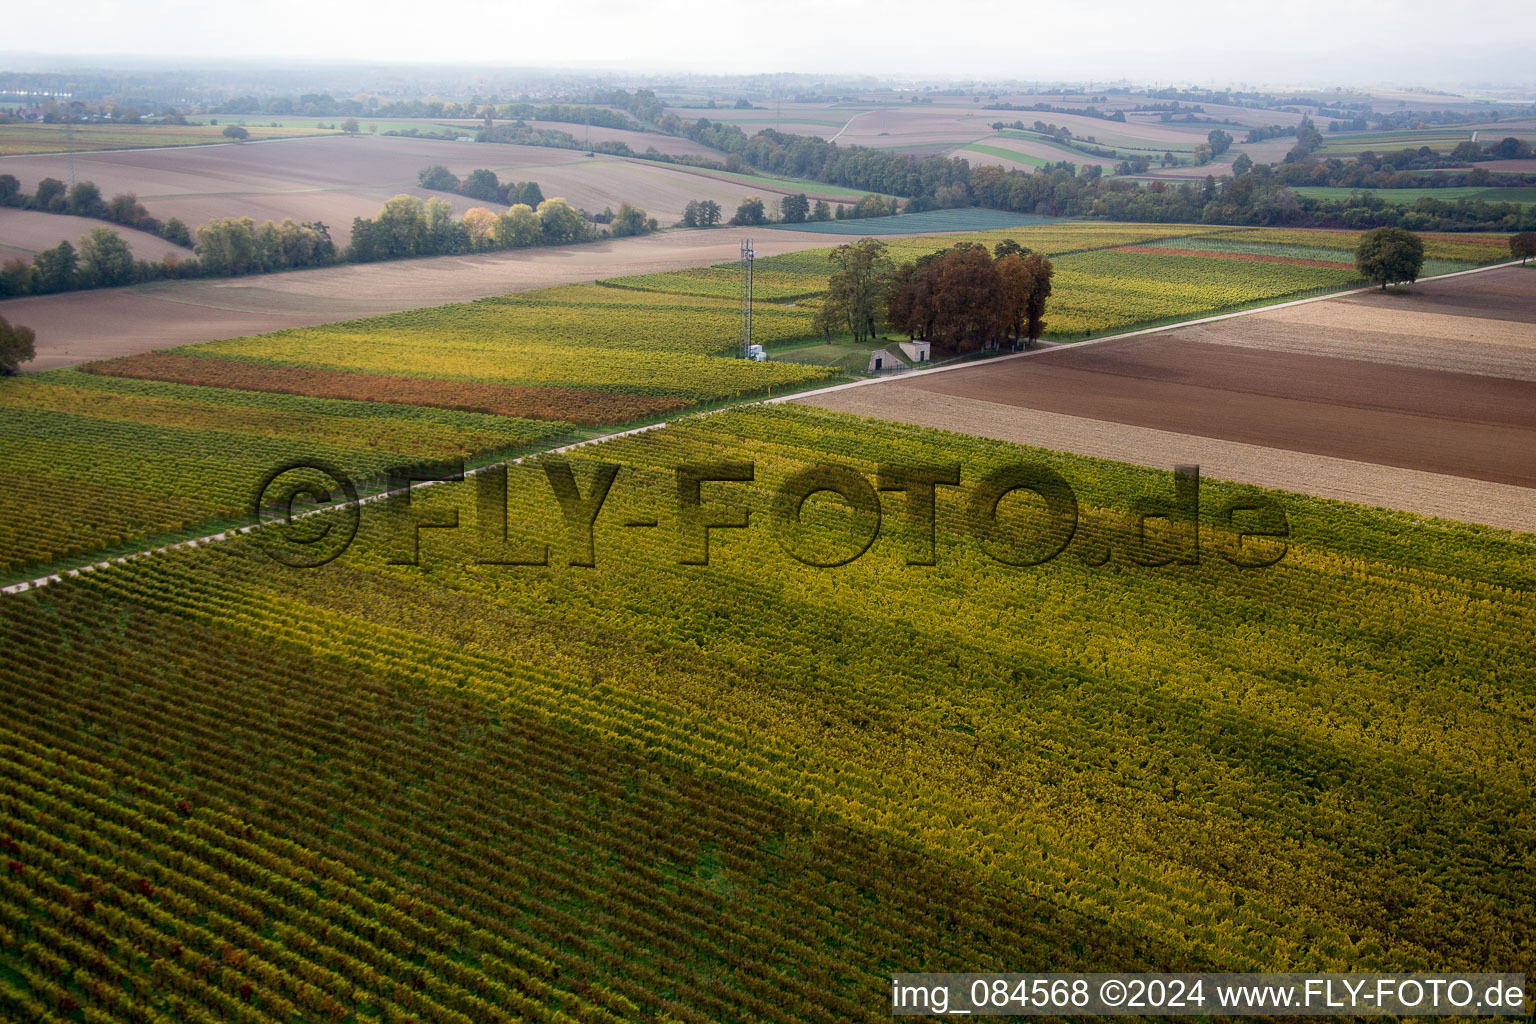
(1424, 401)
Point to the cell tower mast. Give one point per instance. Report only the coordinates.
(748, 254)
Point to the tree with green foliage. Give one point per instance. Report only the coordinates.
(858, 291)
(1041, 269)
(105, 259)
(871, 205)
(527, 193)
(84, 200)
(560, 224)
(226, 246)
(691, 214)
(175, 231)
(440, 179)
(350, 126)
(821, 211)
(126, 209)
(1009, 247)
(50, 195)
(751, 212)
(1523, 246)
(55, 268)
(17, 277)
(1219, 141)
(710, 213)
(794, 209)
(1242, 165)
(482, 184)
(1389, 255)
(10, 190)
(15, 346)
(629, 221)
(237, 133)
(517, 228)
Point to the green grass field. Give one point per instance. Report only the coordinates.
(1525, 196)
(1007, 154)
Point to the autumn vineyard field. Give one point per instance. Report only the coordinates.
(485, 764)
(152, 446)
(753, 788)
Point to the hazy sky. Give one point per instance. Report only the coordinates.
(1399, 41)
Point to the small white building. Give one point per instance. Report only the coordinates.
(917, 351)
(884, 361)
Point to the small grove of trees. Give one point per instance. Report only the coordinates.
(84, 199)
(1388, 255)
(795, 209)
(237, 133)
(235, 245)
(15, 346)
(964, 298)
(701, 213)
(630, 221)
(751, 212)
(1522, 246)
(481, 184)
(407, 227)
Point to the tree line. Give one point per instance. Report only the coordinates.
(84, 199)
(234, 246)
(960, 299)
(481, 184)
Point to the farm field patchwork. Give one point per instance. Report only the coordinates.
(632, 348)
(312, 784)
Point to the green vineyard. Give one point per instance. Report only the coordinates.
(647, 790)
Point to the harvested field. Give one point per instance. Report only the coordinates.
(1427, 420)
(1429, 494)
(538, 403)
(80, 326)
(26, 233)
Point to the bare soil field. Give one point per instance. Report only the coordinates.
(1428, 420)
(25, 233)
(1429, 494)
(1478, 324)
(1369, 381)
(334, 179)
(79, 326)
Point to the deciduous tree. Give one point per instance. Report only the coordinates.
(1388, 255)
(1523, 246)
(105, 259)
(858, 290)
(15, 346)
